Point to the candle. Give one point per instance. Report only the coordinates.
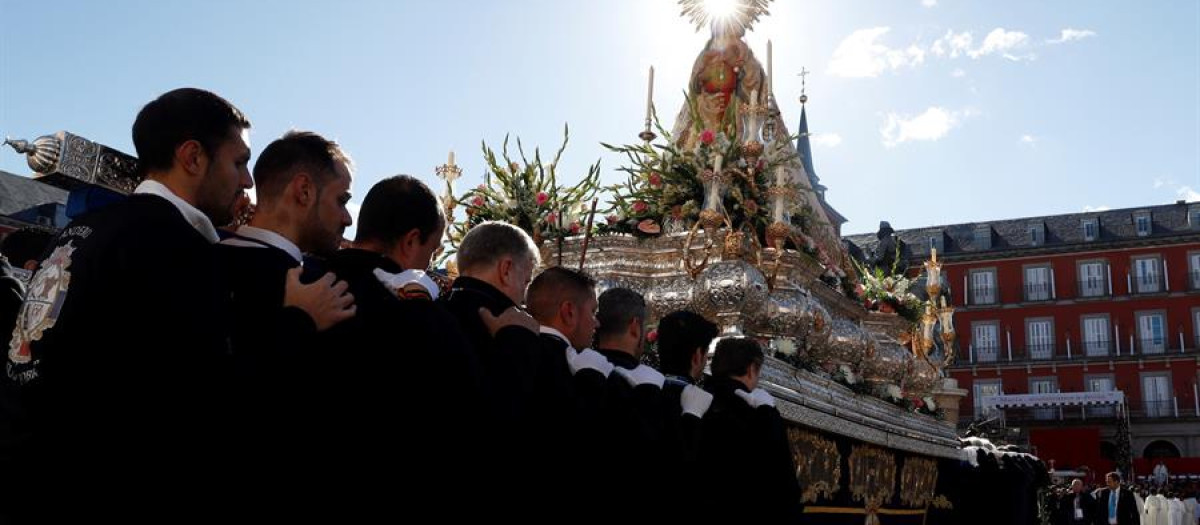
(650, 95)
(770, 71)
(450, 161)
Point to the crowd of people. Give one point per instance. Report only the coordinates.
(1118, 504)
(169, 363)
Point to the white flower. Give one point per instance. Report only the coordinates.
(929, 403)
(892, 392)
(848, 374)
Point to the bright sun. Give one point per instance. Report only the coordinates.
(720, 9)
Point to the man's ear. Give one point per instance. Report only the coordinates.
(191, 156)
(635, 328)
(566, 312)
(505, 267)
(304, 191)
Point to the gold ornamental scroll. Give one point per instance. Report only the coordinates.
(818, 464)
(872, 479)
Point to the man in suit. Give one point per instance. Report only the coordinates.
(1077, 507)
(1116, 503)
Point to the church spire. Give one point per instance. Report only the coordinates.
(803, 147)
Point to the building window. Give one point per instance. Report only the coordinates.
(1039, 338)
(983, 286)
(985, 388)
(1146, 275)
(1037, 234)
(1099, 384)
(985, 341)
(1194, 217)
(1156, 394)
(1144, 226)
(1196, 328)
(1194, 271)
(1091, 229)
(1093, 279)
(1152, 333)
(1043, 385)
(1037, 283)
(983, 237)
(1096, 341)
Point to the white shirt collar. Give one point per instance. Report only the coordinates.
(273, 239)
(554, 332)
(193, 216)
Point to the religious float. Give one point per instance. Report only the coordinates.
(724, 215)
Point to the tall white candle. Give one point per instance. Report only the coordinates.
(450, 161)
(770, 71)
(650, 94)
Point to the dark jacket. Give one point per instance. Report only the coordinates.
(400, 411)
(274, 352)
(1127, 513)
(1066, 509)
(124, 360)
(746, 458)
(678, 456)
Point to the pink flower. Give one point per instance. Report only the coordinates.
(649, 227)
(655, 180)
(552, 218)
(477, 201)
(542, 198)
(707, 136)
(751, 207)
(918, 402)
(652, 336)
(612, 219)
(574, 228)
(481, 187)
(639, 206)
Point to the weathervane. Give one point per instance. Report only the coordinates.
(803, 84)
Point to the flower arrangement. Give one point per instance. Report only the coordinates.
(664, 190)
(527, 194)
(887, 293)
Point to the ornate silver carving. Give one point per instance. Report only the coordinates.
(731, 292)
(68, 161)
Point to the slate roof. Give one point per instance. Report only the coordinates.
(1061, 232)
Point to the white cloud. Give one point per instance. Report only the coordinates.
(958, 73)
(928, 3)
(1003, 42)
(1028, 139)
(827, 140)
(931, 125)
(1188, 194)
(1095, 208)
(1070, 34)
(861, 56)
(1160, 182)
(952, 44)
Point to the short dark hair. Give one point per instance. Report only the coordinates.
(395, 206)
(294, 152)
(618, 307)
(554, 286)
(178, 116)
(1114, 475)
(679, 335)
(734, 355)
(487, 242)
(25, 244)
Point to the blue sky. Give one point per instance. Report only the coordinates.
(924, 112)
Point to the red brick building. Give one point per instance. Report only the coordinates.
(1082, 302)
